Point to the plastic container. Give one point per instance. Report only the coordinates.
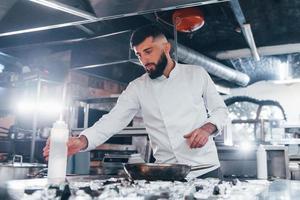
(262, 168)
(57, 165)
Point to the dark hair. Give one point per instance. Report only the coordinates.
(140, 34)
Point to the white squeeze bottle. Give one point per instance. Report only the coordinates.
(57, 165)
(262, 168)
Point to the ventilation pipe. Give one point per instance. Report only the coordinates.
(191, 56)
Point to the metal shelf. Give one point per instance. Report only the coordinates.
(98, 100)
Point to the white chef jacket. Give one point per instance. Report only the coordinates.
(171, 107)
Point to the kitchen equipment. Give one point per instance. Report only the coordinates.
(166, 172)
(18, 170)
(243, 163)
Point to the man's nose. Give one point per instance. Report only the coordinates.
(143, 61)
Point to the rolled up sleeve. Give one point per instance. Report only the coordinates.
(116, 120)
(217, 110)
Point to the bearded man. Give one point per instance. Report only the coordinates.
(181, 109)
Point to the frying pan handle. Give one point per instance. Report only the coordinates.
(199, 167)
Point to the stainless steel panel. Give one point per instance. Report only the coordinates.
(237, 162)
(121, 8)
(281, 189)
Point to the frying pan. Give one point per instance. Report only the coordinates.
(164, 172)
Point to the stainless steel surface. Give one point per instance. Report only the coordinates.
(278, 164)
(44, 28)
(242, 163)
(121, 8)
(65, 8)
(5, 6)
(281, 190)
(14, 171)
(106, 9)
(252, 189)
(191, 56)
(166, 172)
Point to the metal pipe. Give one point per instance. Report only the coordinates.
(191, 56)
(263, 51)
(246, 28)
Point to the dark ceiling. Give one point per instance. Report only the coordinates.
(99, 43)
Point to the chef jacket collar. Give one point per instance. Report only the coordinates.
(171, 75)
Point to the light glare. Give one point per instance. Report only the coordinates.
(245, 146)
(44, 107)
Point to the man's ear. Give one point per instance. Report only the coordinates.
(167, 47)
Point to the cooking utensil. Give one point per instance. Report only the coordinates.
(166, 172)
(18, 170)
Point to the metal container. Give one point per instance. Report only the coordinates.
(19, 170)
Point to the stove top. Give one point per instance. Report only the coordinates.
(88, 188)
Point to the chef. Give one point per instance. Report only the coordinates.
(180, 106)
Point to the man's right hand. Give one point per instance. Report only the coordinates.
(74, 144)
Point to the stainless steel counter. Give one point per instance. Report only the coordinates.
(282, 190)
(276, 190)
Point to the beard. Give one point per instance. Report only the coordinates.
(159, 67)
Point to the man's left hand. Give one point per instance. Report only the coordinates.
(199, 137)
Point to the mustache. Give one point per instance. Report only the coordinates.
(147, 64)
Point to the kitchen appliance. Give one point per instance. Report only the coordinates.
(242, 163)
(166, 172)
(19, 170)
